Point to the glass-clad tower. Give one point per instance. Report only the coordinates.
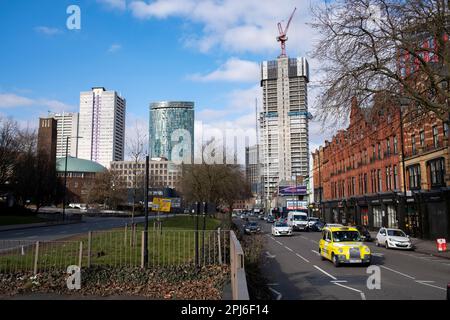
(171, 130)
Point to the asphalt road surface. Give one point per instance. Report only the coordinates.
(296, 272)
(63, 231)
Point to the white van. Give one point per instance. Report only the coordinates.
(298, 220)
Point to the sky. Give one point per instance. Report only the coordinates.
(206, 51)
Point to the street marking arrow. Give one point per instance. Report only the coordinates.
(276, 292)
(270, 255)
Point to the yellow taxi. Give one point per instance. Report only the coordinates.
(343, 245)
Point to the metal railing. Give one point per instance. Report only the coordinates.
(120, 247)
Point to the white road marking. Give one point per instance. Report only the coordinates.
(302, 257)
(363, 296)
(346, 287)
(304, 237)
(316, 252)
(276, 292)
(270, 255)
(403, 274)
(324, 272)
(278, 242)
(430, 285)
(340, 281)
(288, 248)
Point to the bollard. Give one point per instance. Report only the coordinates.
(448, 291)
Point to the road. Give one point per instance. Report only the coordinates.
(295, 272)
(63, 231)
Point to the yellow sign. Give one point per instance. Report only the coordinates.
(161, 204)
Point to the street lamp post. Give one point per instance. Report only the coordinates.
(403, 103)
(65, 180)
(146, 213)
(65, 175)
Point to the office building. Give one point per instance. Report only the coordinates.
(171, 130)
(284, 124)
(162, 173)
(66, 126)
(101, 126)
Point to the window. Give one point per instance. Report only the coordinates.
(413, 144)
(388, 146)
(395, 145)
(379, 151)
(414, 176)
(365, 183)
(380, 186)
(395, 177)
(446, 129)
(435, 137)
(422, 138)
(437, 172)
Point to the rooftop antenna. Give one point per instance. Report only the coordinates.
(282, 37)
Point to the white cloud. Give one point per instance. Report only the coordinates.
(114, 48)
(47, 30)
(234, 70)
(11, 100)
(114, 4)
(235, 25)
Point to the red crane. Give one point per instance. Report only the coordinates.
(282, 37)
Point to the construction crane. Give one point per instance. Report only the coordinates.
(282, 37)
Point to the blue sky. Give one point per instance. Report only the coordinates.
(197, 50)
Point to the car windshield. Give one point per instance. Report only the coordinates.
(299, 217)
(281, 224)
(342, 236)
(396, 233)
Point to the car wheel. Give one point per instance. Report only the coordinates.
(386, 244)
(335, 261)
(321, 256)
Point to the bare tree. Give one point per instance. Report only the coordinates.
(9, 148)
(107, 189)
(395, 48)
(136, 146)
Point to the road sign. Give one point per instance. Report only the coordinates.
(161, 204)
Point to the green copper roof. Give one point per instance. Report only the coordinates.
(78, 165)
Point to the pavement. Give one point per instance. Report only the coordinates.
(295, 271)
(427, 247)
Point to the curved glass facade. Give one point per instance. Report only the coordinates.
(171, 130)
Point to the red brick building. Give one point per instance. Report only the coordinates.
(358, 176)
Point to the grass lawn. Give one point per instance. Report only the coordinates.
(187, 223)
(174, 245)
(22, 219)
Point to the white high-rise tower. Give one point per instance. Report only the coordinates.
(101, 126)
(284, 122)
(66, 126)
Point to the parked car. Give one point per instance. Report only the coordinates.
(270, 219)
(281, 229)
(252, 227)
(343, 245)
(261, 217)
(393, 238)
(312, 220)
(317, 226)
(364, 232)
(243, 216)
